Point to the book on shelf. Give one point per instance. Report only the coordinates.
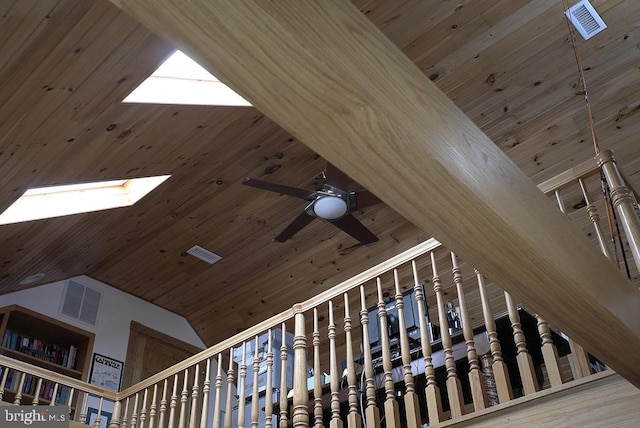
(36, 348)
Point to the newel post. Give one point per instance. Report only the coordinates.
(622, 201)
(300, 414)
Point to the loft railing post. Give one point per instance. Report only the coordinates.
(115, 415)
(255, 397)
(454, 388)
(498, 366)
(354, 420)
(432, 392)
(391, 407)
(371, 411)
(476, 377)
(228, 419)
(523, 358)
(300, 413)
(218, 388)
(242, 375)
(317, 374)
(268, 407)
(411, 404)
(595, 220)
(622, 201)
(549, 353)
(335, 421)
(284, 400)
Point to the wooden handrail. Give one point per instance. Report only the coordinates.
(57, 377)
(276, 320)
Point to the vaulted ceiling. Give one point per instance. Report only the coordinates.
(66, 65)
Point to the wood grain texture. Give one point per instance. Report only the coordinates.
(66, 65)
(605, 400)
(406, 141)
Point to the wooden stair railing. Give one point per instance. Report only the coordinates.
(405, 373)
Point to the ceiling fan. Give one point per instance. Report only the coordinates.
(332, 202)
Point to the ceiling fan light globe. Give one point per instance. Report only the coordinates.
(330, 207)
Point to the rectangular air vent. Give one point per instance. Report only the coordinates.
(204, 255)
(585, 18)
(80, 302)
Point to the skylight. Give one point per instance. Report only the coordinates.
(58, 201)
(180, 80)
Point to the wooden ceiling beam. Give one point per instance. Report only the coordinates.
(327, 75)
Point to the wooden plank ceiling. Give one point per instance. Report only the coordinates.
(65, 66)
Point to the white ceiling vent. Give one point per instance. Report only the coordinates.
(585, 18)
(80, 302)
(204, 255)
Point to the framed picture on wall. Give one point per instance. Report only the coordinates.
(92, 416)
(106, 372)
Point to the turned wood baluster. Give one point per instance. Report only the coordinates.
(3, 382)
(173, 404)
(549, 353)
(622, 202)
(268, 408)
(454, 389)
(579, 359)
(432, 392)
(411, 405)
(184, 400)
(36, 394)
(242, 376)
(354, 420)
(335, 375)
(206, 395)
(476, 377)
(153, 409)
(81, 416)
(523, 358)
(391, 408)
(115, 415)
(163, 404)
(70, 400)
(255, 398)
(229, 402)
(371, 411)
(595, 220)
(498, 366)
(284, 400)
(195, 393)
(18, 398)
(143, 410)
(218, 388)
(124, 421)
(53, 394)
(134, 414)
(99, 413)
(317, 374)
(300, 413)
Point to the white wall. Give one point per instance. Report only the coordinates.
(117, 310)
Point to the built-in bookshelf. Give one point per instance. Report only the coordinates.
(45, 342)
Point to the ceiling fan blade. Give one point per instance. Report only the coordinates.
(365, 198)
(336, 178)
(298, 223)
(279, 188)
(353, 227)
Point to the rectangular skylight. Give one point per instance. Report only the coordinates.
(180, 80)
(58, 201)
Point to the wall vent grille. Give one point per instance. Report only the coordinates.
(585, 18)
(80, 302)
(204, 255)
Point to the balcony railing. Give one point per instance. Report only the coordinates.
(421, 339)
